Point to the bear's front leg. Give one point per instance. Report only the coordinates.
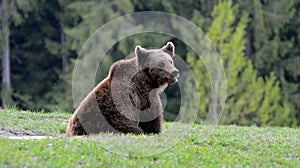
(123, 125)
(133, 129)
(153, 126)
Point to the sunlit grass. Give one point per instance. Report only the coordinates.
(203, 146)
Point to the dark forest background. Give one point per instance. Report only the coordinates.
(257, 39)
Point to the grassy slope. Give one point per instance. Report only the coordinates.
(229, 146)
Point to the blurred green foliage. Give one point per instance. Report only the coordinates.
(258, 42)
(250, 98)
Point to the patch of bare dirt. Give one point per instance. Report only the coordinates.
(13, 133)
(22, 135)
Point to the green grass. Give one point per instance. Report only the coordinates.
(203, 146)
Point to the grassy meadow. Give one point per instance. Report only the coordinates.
(179, 146)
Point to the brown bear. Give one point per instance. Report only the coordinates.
(127, 100)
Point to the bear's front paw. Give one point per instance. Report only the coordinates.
(137, 131)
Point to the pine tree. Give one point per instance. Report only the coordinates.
(290, 61)
(250, 99)
(36, 56)
(10, 15)
(272, 44)
(60, 95)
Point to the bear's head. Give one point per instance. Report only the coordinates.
(158, 63)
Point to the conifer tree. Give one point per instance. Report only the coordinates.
(10, 12)
(250, 99)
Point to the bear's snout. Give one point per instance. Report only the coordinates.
(175, 73)
(171, 78)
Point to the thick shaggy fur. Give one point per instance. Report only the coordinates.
(128, 101)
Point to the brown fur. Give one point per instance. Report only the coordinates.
(127, 101)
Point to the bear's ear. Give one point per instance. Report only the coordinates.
(140, 53)
(169, 48)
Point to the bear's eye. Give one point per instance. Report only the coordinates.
(161, 64)
(171, 62)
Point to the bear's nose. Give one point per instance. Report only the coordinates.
(175, 73)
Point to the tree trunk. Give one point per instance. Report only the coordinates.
(6, 92)
(65, 64)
